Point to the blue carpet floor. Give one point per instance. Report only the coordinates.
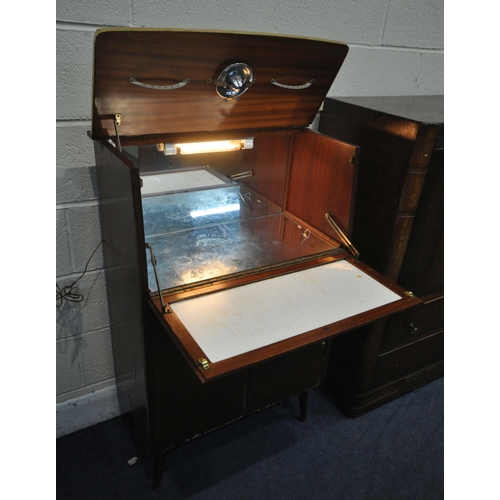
(394, 452)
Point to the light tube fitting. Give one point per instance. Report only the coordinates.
(206, 147)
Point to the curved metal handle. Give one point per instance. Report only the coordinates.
(293, 87)
(159, 87)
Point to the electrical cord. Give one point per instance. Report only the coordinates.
(68, 292)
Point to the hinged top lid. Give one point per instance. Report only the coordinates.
(170, 81)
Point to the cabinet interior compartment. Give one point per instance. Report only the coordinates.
(240, 257)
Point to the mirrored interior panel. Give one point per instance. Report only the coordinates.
(199, 232)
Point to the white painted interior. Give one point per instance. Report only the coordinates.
(396, 48)
(239, 320)
(179, 181)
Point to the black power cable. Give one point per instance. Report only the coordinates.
(68, 292)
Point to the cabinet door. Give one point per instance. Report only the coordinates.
(286, 376)
(127, 62)
(242, 322)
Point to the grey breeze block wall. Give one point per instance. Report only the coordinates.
(396, 48)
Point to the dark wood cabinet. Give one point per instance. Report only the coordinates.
(226, 277)
(398, 228)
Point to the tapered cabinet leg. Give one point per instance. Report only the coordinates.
(158, 470)
(303, 405)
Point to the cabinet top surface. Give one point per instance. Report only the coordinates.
(171, 81)
(424, 109)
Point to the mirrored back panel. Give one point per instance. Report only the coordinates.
(199, 226)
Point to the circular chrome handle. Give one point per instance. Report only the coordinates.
(234, 81)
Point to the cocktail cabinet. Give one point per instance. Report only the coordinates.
(226, 223)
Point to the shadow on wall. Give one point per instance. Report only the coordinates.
(69, 327)
(72, 303)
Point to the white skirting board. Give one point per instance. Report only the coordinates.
(84, 411)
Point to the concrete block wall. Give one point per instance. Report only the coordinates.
(396, 48)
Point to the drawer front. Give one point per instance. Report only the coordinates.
(409, 359)
(413, 324)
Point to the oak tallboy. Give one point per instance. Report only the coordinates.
(398, 229)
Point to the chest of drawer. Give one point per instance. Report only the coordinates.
(409, 359)
(412, 325)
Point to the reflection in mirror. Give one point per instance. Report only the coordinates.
(221, 229)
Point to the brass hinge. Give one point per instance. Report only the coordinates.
(343, 237)
(117, 120)
(203, 362)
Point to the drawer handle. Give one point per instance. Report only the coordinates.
(293, 87)
(413, 328)
(159, 87)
